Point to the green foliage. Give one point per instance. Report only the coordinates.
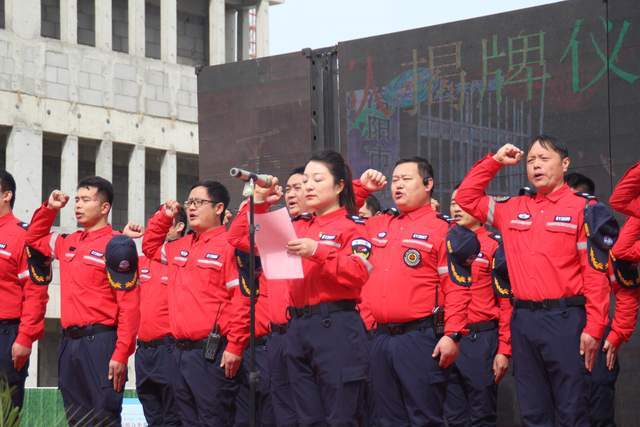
(9, 414)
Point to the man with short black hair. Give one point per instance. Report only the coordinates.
(99, 315)
(22, 301)
(557, 266)
(418, 311)
(580, 183)
(208, 315)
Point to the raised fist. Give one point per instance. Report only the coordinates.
(271, 195)
(373, 180)
(132, 230)
(508, 155)
(171, 208)
(57, 200)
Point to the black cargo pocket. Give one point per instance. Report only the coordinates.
(350, 398)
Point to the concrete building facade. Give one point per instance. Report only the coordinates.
(108, 87)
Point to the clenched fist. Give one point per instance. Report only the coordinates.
(373, 180)
(57, 200)
(171, 208)
(508, 155)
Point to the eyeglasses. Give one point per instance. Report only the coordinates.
(197, 203)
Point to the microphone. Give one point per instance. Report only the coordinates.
(261, 180)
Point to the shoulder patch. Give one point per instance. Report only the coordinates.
(527, 191)
(361, 247)
(303, 217)
(446, 218)
(357, 219)
(586, 195)
(496, 236)
(392, 211)
(501, 199)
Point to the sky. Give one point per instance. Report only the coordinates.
(297, 24)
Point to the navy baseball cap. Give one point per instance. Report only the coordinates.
(40, 270)
(500, 274)
(242, 260)
(462, 249)
(602, 232)
(626, 273)
(121, 258)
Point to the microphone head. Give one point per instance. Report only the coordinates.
(234, 172)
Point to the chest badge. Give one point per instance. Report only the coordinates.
(412, 257)
(382, 234)
(184, 253)
(524, 216)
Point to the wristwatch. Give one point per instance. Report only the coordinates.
(455, 336)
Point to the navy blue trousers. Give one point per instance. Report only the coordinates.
(601, 383)
(205, 397)
(15, 379)
(471, 391)
(327, 364)
(155, 372)
(281, 396)
(548, 368)
(408, 385)
(83, 379)
(264, 409)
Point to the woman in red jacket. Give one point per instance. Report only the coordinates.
(326, 341)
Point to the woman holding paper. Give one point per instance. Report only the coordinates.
(326, 342)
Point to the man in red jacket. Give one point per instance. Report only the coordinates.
(404, 298)
(208, 315)
(22, 301)
(558, 278)
(472, 390)
(100, 317)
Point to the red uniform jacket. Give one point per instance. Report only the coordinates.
(484, 305)
(335, 271)
(86, 296)
(625, 196)
(154, 300)
(410, 262)
(544, 242)
(627, 247)
(20, 298)
(203, 283)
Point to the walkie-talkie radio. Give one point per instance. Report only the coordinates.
(214, 340)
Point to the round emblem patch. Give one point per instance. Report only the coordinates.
(124, 265)
(412, 257)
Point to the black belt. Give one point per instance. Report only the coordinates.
(168, 340)
(279, 328)
(403, 328)
(546, 304)
(75, 332)
(487, 325)
(328, 307)
(7, 322)
(190, 344)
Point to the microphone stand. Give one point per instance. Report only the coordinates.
(254, 375)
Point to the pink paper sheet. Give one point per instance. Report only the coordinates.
(273, 231)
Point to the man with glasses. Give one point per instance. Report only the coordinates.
(99, 314)
(22, 301)
(208, 315)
